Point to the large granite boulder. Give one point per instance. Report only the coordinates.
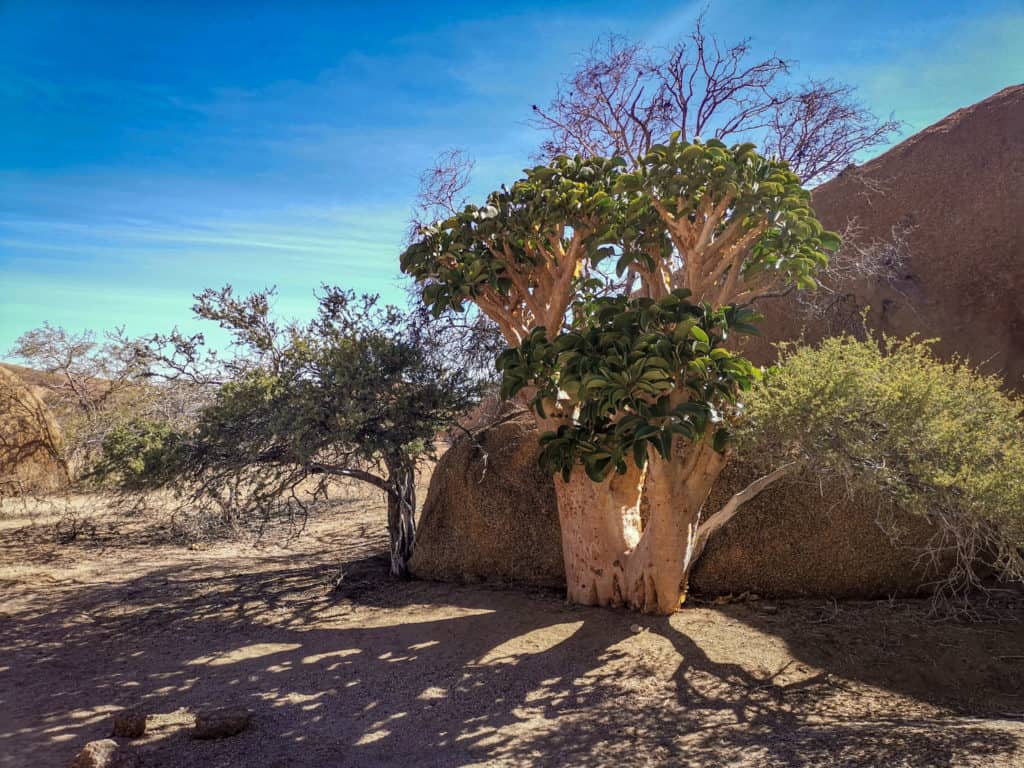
(490, 511)
(490, 514)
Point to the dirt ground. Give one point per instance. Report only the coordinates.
(379, 672)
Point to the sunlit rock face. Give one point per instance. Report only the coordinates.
(956, 191)
(30, 441)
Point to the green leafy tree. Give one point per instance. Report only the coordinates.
(356, 393)
(631, 377)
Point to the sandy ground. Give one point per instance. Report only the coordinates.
(379, 672)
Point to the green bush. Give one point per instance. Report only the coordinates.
(905, 429)
(140, 453)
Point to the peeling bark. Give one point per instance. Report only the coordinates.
(676, 491)
(611, 559)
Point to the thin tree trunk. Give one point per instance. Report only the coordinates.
(731, 507)
(401, 513)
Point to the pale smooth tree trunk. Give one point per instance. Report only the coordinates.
(658, 568)
(401, 513)
(600, 523)
(611, 558)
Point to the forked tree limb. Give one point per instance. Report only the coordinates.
(731, 507)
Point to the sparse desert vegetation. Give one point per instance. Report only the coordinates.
(641, 464)
(341, 665)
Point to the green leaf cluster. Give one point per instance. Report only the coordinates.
(357, 384)
(359, 391)
(453, 258)
(642, 375)
(458, 259)
(139, 453)
(683, 177)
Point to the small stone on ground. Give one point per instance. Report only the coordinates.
(221, 723)
(129, 724)
(105, 753)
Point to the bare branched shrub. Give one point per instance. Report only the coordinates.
(906, 433)
(94, 383)
(72, 525)
(469, 339)
(626, 97)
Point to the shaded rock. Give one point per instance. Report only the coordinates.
(956, 189)
(129, 724)
(499, 521)
(801, 539)
(489, 513)
(30, 441)
(105, 753)
(221, 723)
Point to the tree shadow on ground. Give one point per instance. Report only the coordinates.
(381, 672)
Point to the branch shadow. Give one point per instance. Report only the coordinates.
(380, 672)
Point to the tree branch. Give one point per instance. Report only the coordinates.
(731, 507)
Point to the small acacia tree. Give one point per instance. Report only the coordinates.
(355, 393)
(637, 389)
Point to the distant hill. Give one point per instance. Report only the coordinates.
(52, 388)
(959, 188)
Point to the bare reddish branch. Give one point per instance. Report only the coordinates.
(624, 98)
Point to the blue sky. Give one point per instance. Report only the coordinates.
(151, 149)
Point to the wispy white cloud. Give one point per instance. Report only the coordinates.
(105, 272)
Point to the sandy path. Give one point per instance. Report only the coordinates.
(387, 673)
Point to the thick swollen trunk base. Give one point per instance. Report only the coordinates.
(611, 559)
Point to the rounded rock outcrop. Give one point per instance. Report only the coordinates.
(490, 511)
(30, 441)
(491, 515)
(951, 198)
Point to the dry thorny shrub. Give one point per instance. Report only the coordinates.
(861, 260)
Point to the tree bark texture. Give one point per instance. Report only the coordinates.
(401, 514)
(611, 557)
